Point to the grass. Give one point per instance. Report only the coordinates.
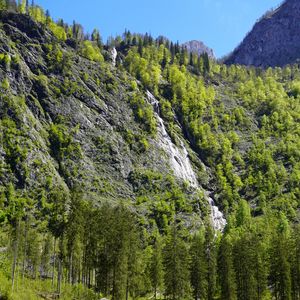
(29, 289)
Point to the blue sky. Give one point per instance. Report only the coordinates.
(221, 24)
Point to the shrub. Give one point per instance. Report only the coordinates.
(90, 51)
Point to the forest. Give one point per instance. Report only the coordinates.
(241, 122)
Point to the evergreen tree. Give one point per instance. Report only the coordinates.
(136, 265)
(97, 38)
(199, 266)
(211, 256)
(295, 263)
(176, 263)
(156, 266)
(244, 265)
(280, 260)
(12, 5)
(75, 235)
(226, 270)
(22, 6)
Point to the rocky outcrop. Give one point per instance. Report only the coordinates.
(199, 48)
(274, 39)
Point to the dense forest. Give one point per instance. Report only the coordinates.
(77, 240)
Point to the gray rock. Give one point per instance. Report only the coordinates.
(274, 39)
(199, 48)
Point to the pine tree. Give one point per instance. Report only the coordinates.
(176, 263)
(244, 265)
(74, 235)
(136, 268)
(46, 256)
(97, 38)
(226, 270)
(12, 5)
(156, 266)
(295, 263)
(211, 256)
(22, 6)
(280, 262)
(198, 266)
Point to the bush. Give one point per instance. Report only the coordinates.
(90, 51)
(5, 60)
(5, 84)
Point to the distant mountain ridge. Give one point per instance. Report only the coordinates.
(199, 48)
(274, 39)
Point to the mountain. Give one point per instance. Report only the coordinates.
(274, 39)
(134, 170)
(199, 48)
(81, 125)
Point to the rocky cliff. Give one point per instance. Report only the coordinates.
(274, 39)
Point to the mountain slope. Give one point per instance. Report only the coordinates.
(75, 122)
(116, 162)
(274, 39)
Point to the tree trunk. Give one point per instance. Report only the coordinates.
(54, 261)
(59, 276)
(25, 250)
(71, 269)
(15, 259)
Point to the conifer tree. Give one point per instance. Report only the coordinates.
(211, 256)
(295, 263)
(280, 260)
(156, 266)
(97, 38)
(226, 270)
(198, 266)
(176, 265)
(22, 6)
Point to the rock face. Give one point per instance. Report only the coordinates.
(199, 48)
(274, 39)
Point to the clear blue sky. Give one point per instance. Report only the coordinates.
(221, 24)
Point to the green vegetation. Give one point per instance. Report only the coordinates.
(91, 52)
(76, 233)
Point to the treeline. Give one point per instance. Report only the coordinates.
(108, 250)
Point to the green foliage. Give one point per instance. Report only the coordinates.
(58, 61)
(199, 267)
(5, 59)
(13, 142)
(243, 123)
(59, 32)
(61, 143)
(5, 84)
(91, 51)
(22, 6)
(176, 280)
(143, 113)
(3, 4)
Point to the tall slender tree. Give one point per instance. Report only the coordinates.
(156, 266)
(199, 266)
(176, 265)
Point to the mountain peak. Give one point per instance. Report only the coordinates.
(199, 48)
(274, 39)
